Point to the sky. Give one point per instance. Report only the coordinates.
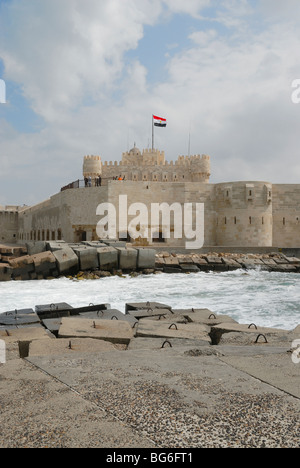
(84, 77)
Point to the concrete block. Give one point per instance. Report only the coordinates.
(22, 266)
(34, 248)
(67, 260)
(68, 347)
(127, 258)
(44, 263)
(164, 343)
(53, 246)
(273, 335)
(159, 329)
(19, 320)
(172, 261)
(146, 258)
(114, 242)
(146, 313)
(88, 258)
(204, 316)
(23, 334)
(12, 313)
(189, 268)
(146, 305)
(5, 272)
(115, 331)
(114, 314)
(108, 258)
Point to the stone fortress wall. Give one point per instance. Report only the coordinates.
(237, 214)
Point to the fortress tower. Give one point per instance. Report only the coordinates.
(92, 167)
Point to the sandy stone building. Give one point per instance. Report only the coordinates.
(236, 214)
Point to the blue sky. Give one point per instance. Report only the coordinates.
(84, 77)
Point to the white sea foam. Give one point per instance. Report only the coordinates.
(267, 299)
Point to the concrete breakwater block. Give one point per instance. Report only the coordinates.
(152, 329)
(204, 316)
(19, 320)
(146, 305)
(67, 260)
(149, 313)
(114, 314)
(248, 334)
(22, 267)
(127, 258)
(164, 343)
(15, 335)
(88, 258)
(68, 347)
(44, 263)
(108, 258)
(5, 272)
(115, 331)
(145, 258)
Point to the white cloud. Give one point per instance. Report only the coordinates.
(231, 87)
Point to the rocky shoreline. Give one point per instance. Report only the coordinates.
(153, 377)
(94, 260)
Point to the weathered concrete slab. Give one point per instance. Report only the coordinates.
(19, 312)
(53, 325)
(38, 411)
(230, 333)
(127, 258)
(23, 334)
(158, 329)
(164, 343)
(18, 319)
(140, 314)
(88, 258)
(181, 398)
(34, 248)
(68, 347)
(145, 305)
(115, 331)
(108, 258)
(22, 267)
(5, 272)
(145, 258)
(44, 263)
(204, 316)
(67, 260)
(279, 370)
(53, 246)
(114, 314)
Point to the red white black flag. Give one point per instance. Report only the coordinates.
(159, 122)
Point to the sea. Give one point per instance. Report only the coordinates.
(254, 296)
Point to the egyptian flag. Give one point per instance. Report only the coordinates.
(159, 122)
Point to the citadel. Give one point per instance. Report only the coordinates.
(236, 214)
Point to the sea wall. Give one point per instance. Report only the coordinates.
(93, 260)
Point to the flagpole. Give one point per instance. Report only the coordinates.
(152, 134)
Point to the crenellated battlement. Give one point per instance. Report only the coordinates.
(150, 165)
